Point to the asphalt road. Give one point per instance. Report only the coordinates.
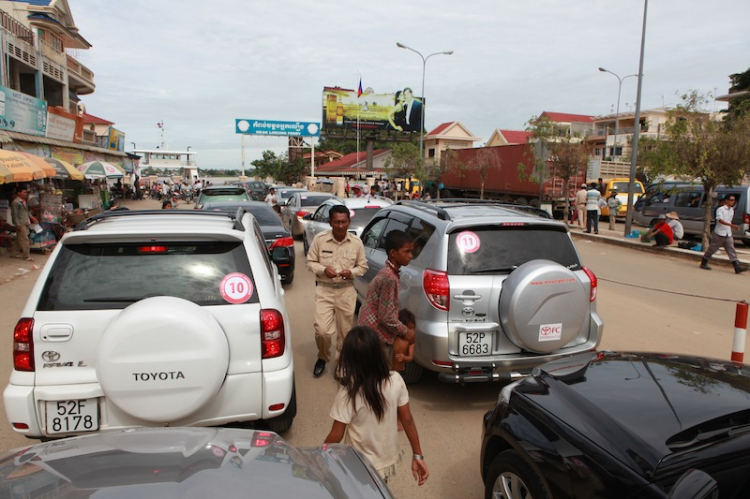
(649, 302)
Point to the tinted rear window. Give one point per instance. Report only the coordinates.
(362, 217)
(496, 250)
(312, 200)
(112, 276)
(229, 191)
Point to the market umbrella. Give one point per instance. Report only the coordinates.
(65, 169)
(100, 169)
(14, 168)
(47, 170)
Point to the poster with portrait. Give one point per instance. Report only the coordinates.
(345, 109)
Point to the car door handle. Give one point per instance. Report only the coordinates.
(57, 332)
(468, 298)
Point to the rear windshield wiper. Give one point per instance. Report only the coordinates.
(496, 270)
(129, 299)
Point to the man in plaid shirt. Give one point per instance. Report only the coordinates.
(380, 309)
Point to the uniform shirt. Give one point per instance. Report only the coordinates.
(581, 199)
(592, 200)
(379, 311)
(727, 214)
(19, 213)
(614, 205)
(326, 251)
(377, 440)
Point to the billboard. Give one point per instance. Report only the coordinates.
(399, 111)
(277, 128)
(22, 113)
(115, 139)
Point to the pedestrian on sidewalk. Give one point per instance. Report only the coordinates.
(614, 205)
(722, 236)
(370, 401)
(22, 220)
(581, 206)
(336, 257)
(673, 219)
(661, 233)
(593, 196)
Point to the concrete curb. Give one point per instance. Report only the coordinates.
(611, 237)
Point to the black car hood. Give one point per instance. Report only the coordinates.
(188, 462)
(660, 404)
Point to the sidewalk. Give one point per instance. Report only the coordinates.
(617, 237)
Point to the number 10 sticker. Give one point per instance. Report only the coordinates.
(236, 288)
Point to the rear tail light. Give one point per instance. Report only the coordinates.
(152, 249)
(23, 346)
(594, 283)
(302, 213)
(746, 219)
(272, 337)
(437, 288)
(282, 242)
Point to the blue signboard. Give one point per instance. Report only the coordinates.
(22, 113)
(277, 128)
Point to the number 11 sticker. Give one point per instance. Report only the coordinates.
(236, 288)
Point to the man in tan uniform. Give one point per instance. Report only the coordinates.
(581, 206)
(336, 257)
(22, 220)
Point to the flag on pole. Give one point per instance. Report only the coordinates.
(359, 90)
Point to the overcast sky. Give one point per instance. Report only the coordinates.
(200, 65)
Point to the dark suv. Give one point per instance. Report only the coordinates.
(496, 289)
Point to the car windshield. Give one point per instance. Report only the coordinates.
(263, 213)
(112, 276)
(500, 250)
(623, 187)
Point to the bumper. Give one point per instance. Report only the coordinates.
(26, 405)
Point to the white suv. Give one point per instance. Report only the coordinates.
(163, 318)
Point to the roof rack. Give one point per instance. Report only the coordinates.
(456, 202)
(421, 205)
(236, 217)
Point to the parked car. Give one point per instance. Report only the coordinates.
(297, 206)
(216, 194)
(257, 190)
(187, 462)
(153, 318)
(278, 240)
(361, 211)
(283, 193)
(689, 202)
(617, 425)
(496, 289)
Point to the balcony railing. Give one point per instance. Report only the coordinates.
(16, 28)
(80, 73)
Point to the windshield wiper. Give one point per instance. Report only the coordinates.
(496, 270)
(731, 431)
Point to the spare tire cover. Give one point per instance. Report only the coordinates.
(162, 358)
(543, 306)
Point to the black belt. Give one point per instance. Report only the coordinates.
(335, 284)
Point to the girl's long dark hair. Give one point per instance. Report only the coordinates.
(363, 368)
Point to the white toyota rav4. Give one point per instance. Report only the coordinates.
(168, 318)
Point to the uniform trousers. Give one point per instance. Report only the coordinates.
(334, 314)
(717, 241)
(21, 243)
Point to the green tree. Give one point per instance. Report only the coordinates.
(268, 165)
(291, 172)
(740, 82)
(404, 160)
(698, 147)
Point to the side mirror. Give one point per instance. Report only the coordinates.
(307, 217)
(695, 484)
(281, 256)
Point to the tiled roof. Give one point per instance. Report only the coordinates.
(348, 161)
(516, 136)
(440, 128)
(90, 118)
(568, 118)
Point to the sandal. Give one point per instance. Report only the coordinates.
(29, 259)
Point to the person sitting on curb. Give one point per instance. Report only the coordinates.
(673, 219)
(661, 233)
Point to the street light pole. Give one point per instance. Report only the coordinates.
(634, 156)
(424, 68)
(617, 113)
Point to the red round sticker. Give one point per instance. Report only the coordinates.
(468, 242)
(236, 288)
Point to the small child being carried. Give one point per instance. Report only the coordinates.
(403, 350)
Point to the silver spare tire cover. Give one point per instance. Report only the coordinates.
(543, 306)
(162, 359)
